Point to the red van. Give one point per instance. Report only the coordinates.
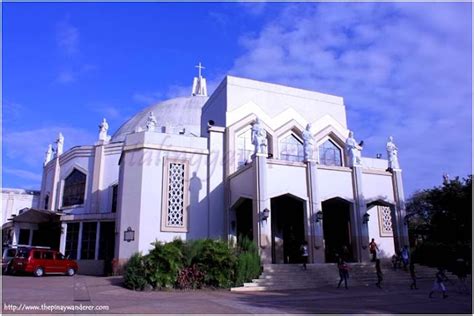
(40, 261)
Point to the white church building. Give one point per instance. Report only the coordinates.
(274, 163)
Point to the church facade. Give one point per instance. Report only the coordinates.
(273, 163)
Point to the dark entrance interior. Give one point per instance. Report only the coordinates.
(287, 217)
(107, 245)
(243, 213)
(337, 229)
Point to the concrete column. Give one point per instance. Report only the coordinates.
(79, 242)
(401, 229)
(53, 198)
(62, 238)
(218, 221)
(16, 234)
(97, 177)
(360, 228)
(97, 240)
(30, 239)
(316, 236)
(262, 202)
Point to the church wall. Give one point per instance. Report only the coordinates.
(84, 164)
(384, 242)
(274, 99)
(283, 179)
(335, 183)
(377, 187)
(214, 109)
(242, 184)
(110, 177)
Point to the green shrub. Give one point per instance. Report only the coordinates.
(134, 273)
(163, 263)
(248, 262)
(216, 258)
(190, 278)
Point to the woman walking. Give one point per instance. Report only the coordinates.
(343, 271)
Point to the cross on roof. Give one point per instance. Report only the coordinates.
(200, 67)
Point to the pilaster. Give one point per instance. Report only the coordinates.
(316, 236)
(218, 222)
(62, 238)
(401, 228)
(262, 203)
(358, 226)
(97, 176)
(54, 202)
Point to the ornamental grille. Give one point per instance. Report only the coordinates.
(385, 221)
(175, 195)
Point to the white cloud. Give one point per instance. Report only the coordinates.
(403, 70)
(29, 146)
(24, 174)
(67, 37)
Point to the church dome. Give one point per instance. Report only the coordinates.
(175, 116)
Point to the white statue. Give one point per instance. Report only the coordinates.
(59, 145)
(445, 178)
(49, 154)
(353, 151)
(308, 143)
(103, 128)
(151, 122)
(392, 153)
(259, 138)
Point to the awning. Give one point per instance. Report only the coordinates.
(36, 217)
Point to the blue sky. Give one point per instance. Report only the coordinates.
(404, 69)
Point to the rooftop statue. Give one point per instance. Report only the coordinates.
(59, 145)
(49, 154)
(259, 138)
(392, 153)
(353, 151)
(308, 143)
(151, 122)
(103, 128)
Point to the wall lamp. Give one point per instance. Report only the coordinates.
(265, 214)
(129, 235)
(365, 218)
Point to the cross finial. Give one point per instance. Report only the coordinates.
(199, 66)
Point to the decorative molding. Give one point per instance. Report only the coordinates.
(167, 148)
(385, 221)
(175, 199)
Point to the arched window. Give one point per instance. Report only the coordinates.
(243, 147)
(330, 154)
(74, 188)
(291, 148)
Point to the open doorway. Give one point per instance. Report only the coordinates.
(337, 229)
(288, 230)
(244, 219)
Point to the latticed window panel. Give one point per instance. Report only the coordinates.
(176, 192)
(291, 149)
(385, 221)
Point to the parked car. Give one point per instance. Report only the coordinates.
(40, 261)
(7, 255)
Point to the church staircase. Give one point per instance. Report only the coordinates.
(291, 276)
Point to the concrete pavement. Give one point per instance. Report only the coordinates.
(108, 296)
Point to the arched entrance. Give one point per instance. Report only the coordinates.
(288, 229)
(337, 229)
(244, 220)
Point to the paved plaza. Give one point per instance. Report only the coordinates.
(106, 294)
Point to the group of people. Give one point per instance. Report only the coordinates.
(397, 260)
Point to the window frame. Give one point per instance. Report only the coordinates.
(336, 145)
(297, 137)
(63, 189)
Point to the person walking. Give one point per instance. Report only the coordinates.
(413, 276)
(378, 270)
(304, 253)
(343, 272)
(438, 284)
(373, 249)
(405, 254)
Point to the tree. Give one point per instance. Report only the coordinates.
(442, 216)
